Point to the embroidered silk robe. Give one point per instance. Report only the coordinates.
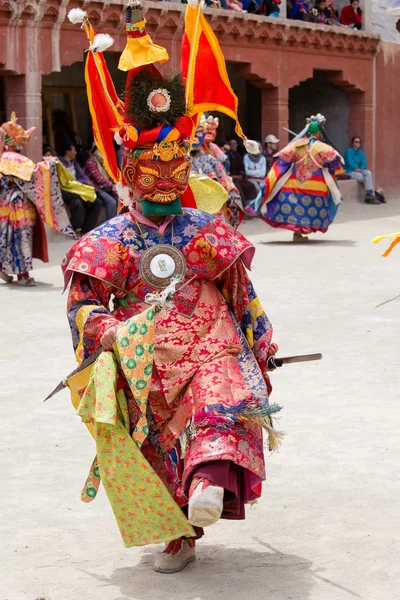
(209, 387)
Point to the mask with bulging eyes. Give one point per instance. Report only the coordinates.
(159, 183)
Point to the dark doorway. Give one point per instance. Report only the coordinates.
(319, 95)
(249, 97)
(65, 91)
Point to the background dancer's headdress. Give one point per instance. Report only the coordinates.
(314, 124)
(16, 132)
(211, 125)
(159, 113)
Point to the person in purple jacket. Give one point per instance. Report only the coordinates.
(84, 215)
(105, 188)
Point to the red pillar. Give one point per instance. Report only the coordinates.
(24, 97)
(275, 113)
(357, 115)
(361, 121)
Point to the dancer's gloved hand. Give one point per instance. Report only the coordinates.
(273, 349)
(108, 337)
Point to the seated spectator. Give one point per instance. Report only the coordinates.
(83, 213)
(351, 15)
(235, 5)
(299, 11)
(270, 149)
(214, 3)
(47, 152)
(225, 147)
(356, 166)
(269, 8)
(105, 188)
(332, 6)
(255, 166)
(250, 6)
(323, 14)
(247, 190)
(64, 133)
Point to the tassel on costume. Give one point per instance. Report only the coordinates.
(159, 299)
(123, 194)
(222, 418)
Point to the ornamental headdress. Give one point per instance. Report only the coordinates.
(315, 124)
(16, 132)
(211, 125)
(159, 113)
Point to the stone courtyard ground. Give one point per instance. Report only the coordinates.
(327, 526)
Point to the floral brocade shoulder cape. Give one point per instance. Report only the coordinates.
(112, 253)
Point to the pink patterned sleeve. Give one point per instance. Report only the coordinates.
(89, 313)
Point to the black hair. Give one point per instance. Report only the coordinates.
(65, 146)
(82, 157)
(354, 138)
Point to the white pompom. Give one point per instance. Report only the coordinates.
(118, 139)
(251, 146)
(77, 15)
(193, 3)
(101, 42)
(123, 194)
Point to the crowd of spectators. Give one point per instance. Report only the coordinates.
(268, 8)
(315, 11)
(95, 199)
(248, 172)
(326, 12)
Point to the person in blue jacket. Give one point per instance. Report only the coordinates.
(299, 10)
(356, 166)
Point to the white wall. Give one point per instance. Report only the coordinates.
(382, 23)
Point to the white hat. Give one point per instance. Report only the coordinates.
(271, 139)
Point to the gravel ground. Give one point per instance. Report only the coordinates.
(327, 525)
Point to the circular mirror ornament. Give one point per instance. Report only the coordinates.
(160, 264)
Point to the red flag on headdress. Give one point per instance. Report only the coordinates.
(105, 107)
(203, 66)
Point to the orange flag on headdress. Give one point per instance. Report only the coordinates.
(105, 107)
(203, 66)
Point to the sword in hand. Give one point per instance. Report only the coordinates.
(274, 362)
